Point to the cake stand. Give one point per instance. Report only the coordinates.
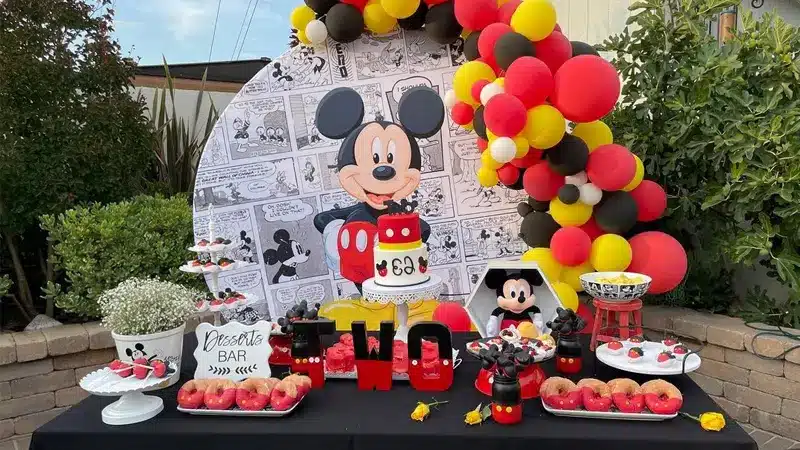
(133, 406)
(401, 296)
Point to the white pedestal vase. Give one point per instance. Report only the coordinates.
(166, 346)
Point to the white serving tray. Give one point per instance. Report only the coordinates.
(215, 248)
(615, 415)
(133, 406)
(648, 364)
(395, 376)
(236, 265)
(239, 412)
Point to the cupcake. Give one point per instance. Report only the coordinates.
(635, 355)
(615, 348)
(669, 342)
(680, 351)
(665, 359)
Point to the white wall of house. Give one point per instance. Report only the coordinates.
(186, 101)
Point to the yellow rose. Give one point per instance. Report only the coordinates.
(420, 412)
(712, 421)
(473, 417)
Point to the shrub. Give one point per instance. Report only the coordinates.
(146, 306)
(100, 246)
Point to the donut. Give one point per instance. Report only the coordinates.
(626, 395)
(253, 394)
(302, 382)
(284, 395)
(595, 394)
(220, 394)
(560, 393)
(662, 397)
(190, 395)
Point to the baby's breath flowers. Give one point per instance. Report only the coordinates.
(145, 306)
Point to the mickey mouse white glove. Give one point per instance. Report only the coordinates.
(493, 326)
(330, 237)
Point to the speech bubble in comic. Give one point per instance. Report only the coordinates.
(236, 174)
(243, 281)
(480, 223)
(228, 217)
(255, 87)
(333, 200)
(261, 106)
(290, 211)
(466, 150)
(312, 293)
(402, 86)
(257, 186)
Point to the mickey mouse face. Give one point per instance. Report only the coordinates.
(136, 352)
(517, 296)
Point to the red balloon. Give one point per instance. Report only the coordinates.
(530, 80)
(462, 113)
(476, 89)
(508, 174)
(487, 39)
(592, 229)
(505, 115)
(453, 315)
(571, 246)
(360, 4)
(611, 167)
(533, 156)
(483, 144)
(475, 14)
(651, 201)
(587, 315)
(507, 10)
(541, 183)
(661, 257)
(586, 88)
(434, 2)
(554, 50)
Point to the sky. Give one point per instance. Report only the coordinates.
(181, 30)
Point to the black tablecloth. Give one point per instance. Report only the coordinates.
(340, 417)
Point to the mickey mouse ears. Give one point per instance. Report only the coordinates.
(339, 113)
(421, 111)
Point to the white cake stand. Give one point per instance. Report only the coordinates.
(133, 406)
(401, 296)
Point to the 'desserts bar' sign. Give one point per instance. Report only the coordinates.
(233, 351)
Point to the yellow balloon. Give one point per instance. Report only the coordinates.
(377, 20)
(465, 33)
(468, 126)
(534, 19)
(400, 9)
(301, 36)
(487, 177)
(637, 178)
(301, 16)
(567, 295)
(573, 215)
(489, 162)
(467, 75)
(500, 82)
(572, 275)
(594, 134)
(490, 137)
(522, 146)
(610, 253)
(545, 127)
(547, 263)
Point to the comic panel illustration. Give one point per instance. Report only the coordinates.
(456, 52)
(342, 62)
(474, 273)
(471, 197)
(313, 292)
(380, 56)
(292, 246)
(244, 184)
(347, 290)
(214, 153)
(299, 68)
(330, 174)
(443, 245)
(235, 225)
(453, 280)
(434, 198)
(256, 127)
(336, 200)
(492, 237)
(256, 87)
(250, 282)
(425, 54)
(310, 173)
(454, 129)
(431, 148)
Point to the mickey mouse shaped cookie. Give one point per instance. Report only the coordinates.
(378, 162)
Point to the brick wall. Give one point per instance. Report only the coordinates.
(40, 370)
(761, 393)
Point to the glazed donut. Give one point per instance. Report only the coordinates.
(626, 395)
(220, 394)
(662, 397)
(595, 394)
(253, 394)
(302, 382)
(190, 395)
(560, 393)
(284, 395)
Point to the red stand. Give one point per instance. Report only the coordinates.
(610, 316)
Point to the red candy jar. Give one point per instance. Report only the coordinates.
(530, 379)
(506, 400)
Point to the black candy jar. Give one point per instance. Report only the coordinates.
(569, 350)
(506, 400)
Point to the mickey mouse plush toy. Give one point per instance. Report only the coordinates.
(378, 162)
(515, 300)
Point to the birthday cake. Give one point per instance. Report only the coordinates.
(401, 258)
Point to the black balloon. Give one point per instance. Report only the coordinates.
(537, 229)
(345, 23)
(539, 206)
(417, 20)
(616, 213)
(321, 6)
(569, 156)
(582, 48)
(510, 47)
(441, 24)
(517, 185)
(471, 46)
(523, 209)
(479, 124)
(569, 194)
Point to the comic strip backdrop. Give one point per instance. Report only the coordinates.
(266, 169)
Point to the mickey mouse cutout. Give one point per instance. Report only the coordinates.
(378, 162)
(515, 300)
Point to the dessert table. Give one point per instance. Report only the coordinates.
(340, 417)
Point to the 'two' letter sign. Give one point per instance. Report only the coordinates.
(374, 368)
(233, 351)
(420, 380)
(307, 353)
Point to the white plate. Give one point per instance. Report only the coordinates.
(583, 414)
(215, 248)
(239, 412)
(395, 376)
(191, 269)
(648, 365)
(106, 383)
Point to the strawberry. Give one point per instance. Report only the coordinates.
(159, 368)
(139, 371)
(202, 243)
(231, 300)
(636, 339)
(664, 356)
(208, 264)
(216, 302)
(680, 349)
(669, 342)
(196, 263)
(614, 345)
(635, 352)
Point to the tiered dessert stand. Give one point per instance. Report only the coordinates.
(216, 262)
(401, 297)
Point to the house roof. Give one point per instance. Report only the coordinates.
(225, 71)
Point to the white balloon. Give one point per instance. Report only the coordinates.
(503, 150)
(590, 194)
(579, 179)
(450, 99)
(489, 91)
(316, 32)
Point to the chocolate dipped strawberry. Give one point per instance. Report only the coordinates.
(635, 355)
